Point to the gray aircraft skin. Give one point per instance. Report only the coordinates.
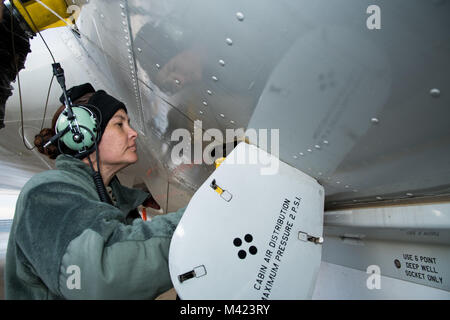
(358, 92)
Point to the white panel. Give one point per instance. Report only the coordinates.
(341, 283)
(245, 240)
(410, 243)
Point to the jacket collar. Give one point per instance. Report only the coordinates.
(127, 198)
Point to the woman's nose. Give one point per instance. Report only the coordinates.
(132, 133)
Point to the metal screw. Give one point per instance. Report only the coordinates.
(435, 93)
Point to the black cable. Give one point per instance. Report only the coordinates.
(98, 181)
(18, 78)
(34, 25)
(46, 102)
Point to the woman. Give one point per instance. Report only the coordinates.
(67, 244)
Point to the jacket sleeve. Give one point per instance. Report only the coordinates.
(82, 249)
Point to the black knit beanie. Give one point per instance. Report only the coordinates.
(106, 104)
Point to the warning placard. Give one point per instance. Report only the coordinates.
(276, 246)
(422, 267)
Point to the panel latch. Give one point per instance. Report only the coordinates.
(303, 236)
(197, 272)
(223, 193)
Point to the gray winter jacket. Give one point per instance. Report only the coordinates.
(66, 244)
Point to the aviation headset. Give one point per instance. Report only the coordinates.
(79, 126)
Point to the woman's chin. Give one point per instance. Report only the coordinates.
(134, 159)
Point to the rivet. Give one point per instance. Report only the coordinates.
(205, 103)
(317, 146)
(122, 6)
(209, 92)
(295, 157)
(222, 115)
(101, 15)
(231, 121)
(347, 186)
(201, 112)
(435, 92)
(309, 150)
(354, 190)
(320, 173)
(177, 81)
(229, 41)
(122, 14)
(240, 16)
(379, 198)
(375, 120)
(139, 49)
(409, 194)
(126, 37)
(214, 78)
(301, 153)
(325, 141)
(338, 182)
(222, 63)
(124, 23)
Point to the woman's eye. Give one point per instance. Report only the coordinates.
(120, 124)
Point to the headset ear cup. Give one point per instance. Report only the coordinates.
(93, 128)
(88, 124)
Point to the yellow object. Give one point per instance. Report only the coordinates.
(219, 190)
(219, 161)
(223, 193)
(42, 17)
